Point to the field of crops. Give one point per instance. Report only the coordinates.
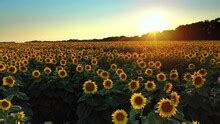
(110, 82)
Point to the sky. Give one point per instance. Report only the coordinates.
(26, 20)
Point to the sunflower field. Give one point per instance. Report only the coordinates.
(110, 82)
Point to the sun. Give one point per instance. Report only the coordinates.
(153, 22)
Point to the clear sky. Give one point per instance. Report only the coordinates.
(25, 20)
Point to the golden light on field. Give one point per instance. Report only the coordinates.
(153, 22)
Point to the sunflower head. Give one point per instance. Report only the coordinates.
(191, 66)
(168, 87)
(20, 116)
(138, 101)
(150, 85)
(36, 73)
(23, 68)
(161, 76)
(175, 98)
(108, 84)
(157, 64)
(148, 72)
(142, 64)
(88, 68)
(47, 70)
(119, 117)
(198, 80)
(75, 61)
(203, 72)
(2, 67)
(174, 75)
(94, 61)
(90, 87)
(187, 77)
(12, 69)
(63, 62)
(104, 75)
(114, 67)
(119, 71)
(140, 78)
(62, 73)
(123, 76)
(133, 85)
(166, 108)
(8, 81)
(79, 68)
(5, 104)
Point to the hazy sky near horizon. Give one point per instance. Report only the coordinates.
(25, 20)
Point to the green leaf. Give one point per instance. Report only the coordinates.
(3, 114)
(180, 117)
(151, 118)
(83, 111)
(22, 96)
(15, 108)
(2, 88)
(132, 115)
(83, 98)
(10, 97)
(111, 101)
(102, 92)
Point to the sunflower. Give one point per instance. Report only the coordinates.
(88, 68)
(94, 61)
(197, 80)
(168, 87)
(161, 76)
(187, 76)
(151, 64)
(79, 68)
(175, 98)
(99, 71)
(202, 60)
(90, 87)
(150, 85)
(36, 73)
(140, 79)
(47, 70)
(63, 62)
(174, 75)
(142, 64)
(20, 116)
(166, 108)
(119, 71)
(75, 61)
(157, 64)
(123, 76)
(2, 67)
(108, 84)
(104, 75)
(23, 68)
(191, 66)
(5, 104)
(8, 81)
(195, 122)
(12, 69)
(62, 73)
(212, 61)
(114, 67)
(59, 68)
(119, 117)
(148, 72)
(203, 72)
(133, 85)
(138, 101)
